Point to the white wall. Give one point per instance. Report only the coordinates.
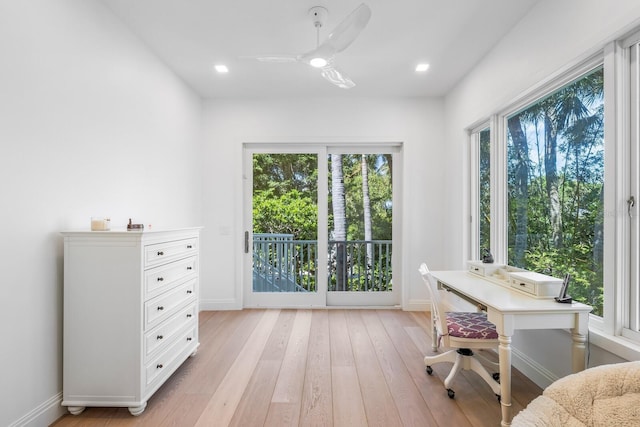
(90, 124)
(551, 37)
(228, 123)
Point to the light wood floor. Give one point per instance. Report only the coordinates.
(314, 367)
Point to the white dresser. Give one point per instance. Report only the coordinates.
(130, 314)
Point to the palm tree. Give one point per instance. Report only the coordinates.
(339, 220)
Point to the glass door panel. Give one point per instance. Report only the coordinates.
(283, 240)
(360, 228)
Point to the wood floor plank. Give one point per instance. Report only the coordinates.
(341, 351)
(254, 404)
(378, 401)
(348, 406)
(287, 395)
(316, 406)
(410, 403)
(225, 400)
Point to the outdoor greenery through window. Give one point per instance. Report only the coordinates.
(360, 222)
(285, 222)
(485, 190)
(555, 179)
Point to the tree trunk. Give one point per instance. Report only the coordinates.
(366, 206)
(521, 190)
(551, 179)
(339, 221)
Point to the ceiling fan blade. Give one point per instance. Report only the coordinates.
(347, 31)
(337, 78)
(274, 58)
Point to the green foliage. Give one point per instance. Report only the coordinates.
(380, 193)
(564, 137)
(285, 202)
(289, 213)
(284, 172)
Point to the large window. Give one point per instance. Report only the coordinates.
(555, 184)
(565, 193)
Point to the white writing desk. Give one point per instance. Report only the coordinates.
(510, 310)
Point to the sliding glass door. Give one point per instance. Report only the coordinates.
(318, 226)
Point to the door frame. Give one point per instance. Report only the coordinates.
(320, 298)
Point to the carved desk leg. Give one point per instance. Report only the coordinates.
(504, 351)
(578, 335)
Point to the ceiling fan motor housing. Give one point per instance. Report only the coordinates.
(318, 15)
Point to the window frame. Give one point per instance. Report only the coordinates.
(621, 276)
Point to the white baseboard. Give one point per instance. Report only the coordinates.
(537, 373)
(418, 305)
(44, 414)
(220, 304)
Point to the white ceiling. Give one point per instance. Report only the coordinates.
(191, 36)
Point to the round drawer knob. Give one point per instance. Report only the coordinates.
(189, 246)
(160, 279)
(159, 337)
(189, 291)
(160, 253)
(188, 315)
(188, 338)
(160, 308)
(159, 366)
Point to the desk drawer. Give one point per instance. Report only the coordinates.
(536, 284)
(524, 286)
(483, 269)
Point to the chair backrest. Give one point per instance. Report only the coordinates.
(439, 317)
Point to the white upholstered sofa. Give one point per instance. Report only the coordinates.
(607, 395)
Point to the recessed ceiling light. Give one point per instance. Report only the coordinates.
(221, 68)
(421, 68)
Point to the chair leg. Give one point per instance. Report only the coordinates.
(449, 356)
(477, 367)
(457, 366)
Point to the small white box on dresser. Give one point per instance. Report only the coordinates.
(130, 314)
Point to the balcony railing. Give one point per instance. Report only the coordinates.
(282, 264)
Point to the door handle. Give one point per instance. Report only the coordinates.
(246, 242)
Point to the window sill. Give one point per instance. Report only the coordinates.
(620, 346)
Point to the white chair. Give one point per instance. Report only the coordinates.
(462, 332)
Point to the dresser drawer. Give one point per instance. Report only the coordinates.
(164, 364)
(166, 304)
(167, 331)
(159, 279)
(168, 251)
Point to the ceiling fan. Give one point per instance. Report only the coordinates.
(323, 56)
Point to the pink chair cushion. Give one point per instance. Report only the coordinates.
(470, 325)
